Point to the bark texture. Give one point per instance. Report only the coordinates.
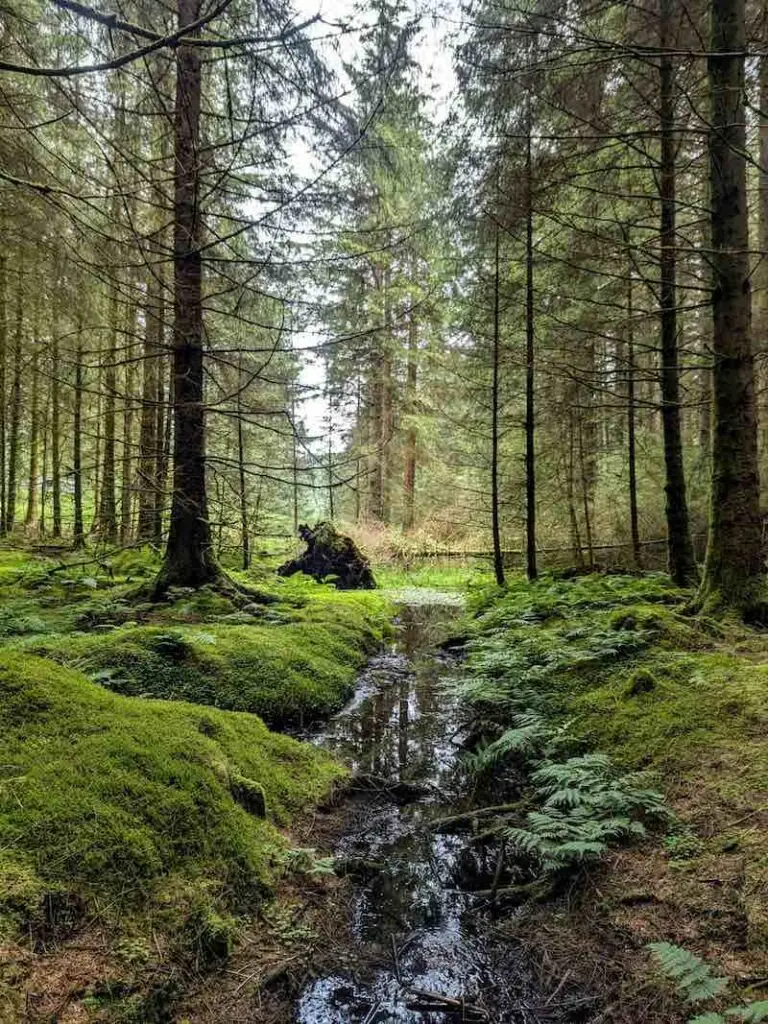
(189, 559)
(734, 563)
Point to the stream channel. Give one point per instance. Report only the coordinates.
(418, 929)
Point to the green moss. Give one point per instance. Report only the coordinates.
(297, 668)
(620, 660)
(117, 806)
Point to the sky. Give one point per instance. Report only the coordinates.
(434, 54)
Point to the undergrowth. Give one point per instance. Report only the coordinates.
(608, 707)
(697, 983)
(290, 654)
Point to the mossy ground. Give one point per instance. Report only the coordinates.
(139, 837)
(290, 657)
(620, 659)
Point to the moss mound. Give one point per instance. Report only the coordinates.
(298, 665)
(116, 807)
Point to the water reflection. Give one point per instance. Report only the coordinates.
(402, 726)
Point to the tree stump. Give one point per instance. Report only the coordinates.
(331, 555)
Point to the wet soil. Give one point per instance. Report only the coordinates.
(425, 948)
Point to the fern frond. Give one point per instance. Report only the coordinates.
(751, 1014)
(693, 977)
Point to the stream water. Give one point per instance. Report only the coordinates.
(419, 928)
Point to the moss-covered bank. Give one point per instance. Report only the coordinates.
(139, 838)
(290, 654)
(145, 820)
(619, 663)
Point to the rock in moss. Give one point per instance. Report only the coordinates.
(641, 681)
(249, 794)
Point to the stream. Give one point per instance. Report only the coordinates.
(420, 933)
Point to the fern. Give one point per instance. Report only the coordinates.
(752, 1014)
(528, 737)
(696, 982)
(693, 977)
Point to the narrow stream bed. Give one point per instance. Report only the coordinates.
(419, 929)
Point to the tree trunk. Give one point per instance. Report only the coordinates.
(734, 563)
(245, 545)
(585, 494)
(682, 563)
(107, 516)
(163, 434)
(3, 378)
(189, 560)
(148, 440)
(78, 538)
(573, 519)
(761, 271)
(13, 444)
(498, 559)
(56, 427)
(127, 487)
(409, 476)
(634, 522)
(34, 433)
(387, 422)
(42, 523)
(530, 425)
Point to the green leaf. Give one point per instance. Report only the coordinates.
(752, 1014)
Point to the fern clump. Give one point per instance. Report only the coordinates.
(585, 805)
(696, 982)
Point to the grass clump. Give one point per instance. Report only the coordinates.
(139, 811)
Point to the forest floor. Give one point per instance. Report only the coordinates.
(621, 668)
(141, 839)
(148, 845)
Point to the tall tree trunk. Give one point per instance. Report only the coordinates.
(734, 562)
(189, 560)
(42, 523)
(127, 486)
(56, 427)
(761, 271)
(573, 519)
(3, 379)
(682, 563)
(584, 468)
(245, 545)
(530, 423)
(107, 517)
(376, 479)
(498, 558)
(634, 521)
(78, 535)
(34, 432)
(295, 461)
(387, 422)
(13, 443)
(148, 440)
(409, 476)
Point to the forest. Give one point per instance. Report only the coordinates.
(383, 474)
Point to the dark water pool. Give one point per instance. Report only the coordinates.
(421, 932)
